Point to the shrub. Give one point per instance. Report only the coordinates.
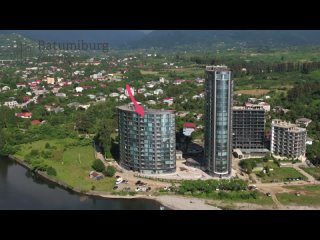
(98, 165)
(93, 187)
(51, 171)
(46, 154)
(109, 171)
(47, 145)
(34, 153)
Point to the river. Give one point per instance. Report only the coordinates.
(20, 189)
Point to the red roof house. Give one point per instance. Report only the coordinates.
(35, 122)
(189, 125)
(24, 115)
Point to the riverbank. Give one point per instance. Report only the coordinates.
(168, 201)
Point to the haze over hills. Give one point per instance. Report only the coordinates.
(180, 39)
(210, 38)
(115, 38)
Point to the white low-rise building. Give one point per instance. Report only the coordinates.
(123, 97)
(5, 88)
(114, 94)
(62, 95)
(168, 100)
(147, 94)
(158, 91)
(79, 89)
(11, 104)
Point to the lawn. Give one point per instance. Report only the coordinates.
(315, 172)
(309, 196)
(281, 174)
(72, 163)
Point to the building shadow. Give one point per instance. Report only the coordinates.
(115, 151)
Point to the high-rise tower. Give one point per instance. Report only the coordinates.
(148, 144)
(218, 120)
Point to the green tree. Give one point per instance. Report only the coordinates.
(51, 171)
(98, 165)
(109, 171)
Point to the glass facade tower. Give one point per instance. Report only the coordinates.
(148, 144)
(218, 120)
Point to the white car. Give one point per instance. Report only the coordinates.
(119, 180)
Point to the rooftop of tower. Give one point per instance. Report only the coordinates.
(130, 107)
(217, 68)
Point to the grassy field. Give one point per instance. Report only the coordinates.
(236, 197)
(309, 196)
(281, 174)
(72, 163)
(315, 172)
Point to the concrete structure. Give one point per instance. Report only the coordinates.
(288, 140)
(218, 123)
(237, 153)
(179, 155)
(309, 141)
(303, 122)
(50, 80)
(248, 127)
(148, 144)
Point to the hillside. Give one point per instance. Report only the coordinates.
(218, 39)
(115, 38)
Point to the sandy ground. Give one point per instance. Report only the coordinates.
(183, 203)
(171, 202)
(256, 92)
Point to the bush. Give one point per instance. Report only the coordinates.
(46, 154)
(93, 187)
(40, 166)
(98, 165)
(34, 153)
(51, 171)
(109, 171)
(47, 145)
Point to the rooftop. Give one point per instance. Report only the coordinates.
(304, 120)
(130, 107)
(217, 68)
(250, 107)
(288, 125)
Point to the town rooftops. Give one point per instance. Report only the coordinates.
(217, 68)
